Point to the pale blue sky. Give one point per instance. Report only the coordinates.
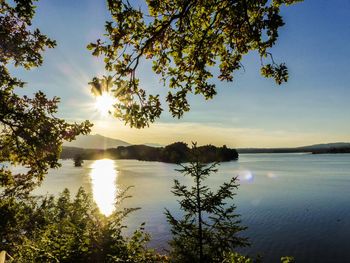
(252, 111)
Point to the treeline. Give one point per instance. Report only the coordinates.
(317, 148)
(177, 152)
(333, 150)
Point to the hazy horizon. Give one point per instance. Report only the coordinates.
(76, 143)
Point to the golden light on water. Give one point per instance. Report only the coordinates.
(104, 187)
(104, 103)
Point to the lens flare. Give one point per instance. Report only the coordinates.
(271, 175)
(246, 176)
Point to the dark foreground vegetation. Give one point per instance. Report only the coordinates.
(177, 152)
(47, 229)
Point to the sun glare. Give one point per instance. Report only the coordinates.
(104, 188)
(104, 103)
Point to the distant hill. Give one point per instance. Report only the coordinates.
(95, 142)
(316, 148)
(340, 147)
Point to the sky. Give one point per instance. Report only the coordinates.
(313, 107)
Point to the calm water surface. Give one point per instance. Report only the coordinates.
(293, 204)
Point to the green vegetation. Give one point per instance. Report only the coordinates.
(209, 227)
(184, 40)
(45, 229)
(237, 258)
(177, 152)
(30, 134)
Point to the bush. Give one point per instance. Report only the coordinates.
(46, 229)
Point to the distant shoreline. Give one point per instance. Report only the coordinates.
(177, 152)
(312, 149)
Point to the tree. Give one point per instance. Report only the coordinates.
(184, 39)
(175, 153)
(209, 227)
(78, 160)
(30, 133)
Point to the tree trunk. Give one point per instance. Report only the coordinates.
(200, 233)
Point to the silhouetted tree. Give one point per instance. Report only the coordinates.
(177, 152)
(30, 134)
(78, 160)
(209, 227)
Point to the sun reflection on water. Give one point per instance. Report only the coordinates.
(104, 187)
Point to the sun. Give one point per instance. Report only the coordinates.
(104, 103)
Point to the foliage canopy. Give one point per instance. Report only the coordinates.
(185, 40)
(30, 133)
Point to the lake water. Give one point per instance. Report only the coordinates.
(292, 204)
